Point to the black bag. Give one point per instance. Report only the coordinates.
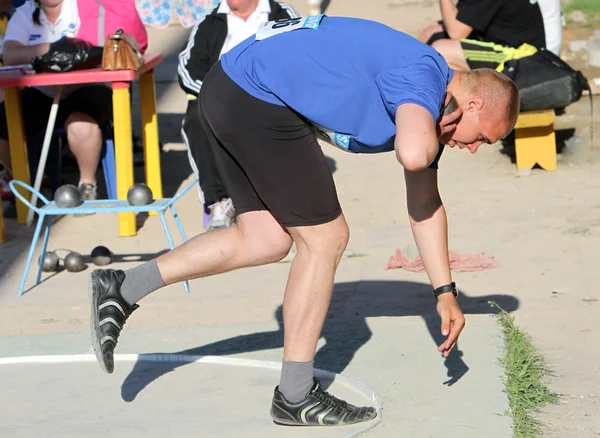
(68, 54)
(545, 81)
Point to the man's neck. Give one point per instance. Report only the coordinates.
(456, 85)
(244, 13)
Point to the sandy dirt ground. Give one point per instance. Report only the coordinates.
(542, 227)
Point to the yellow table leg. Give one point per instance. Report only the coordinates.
(150, 135)
(536, 145)
(18, 146)
(123, 153)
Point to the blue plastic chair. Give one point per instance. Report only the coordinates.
(91, 207)
(109, 168)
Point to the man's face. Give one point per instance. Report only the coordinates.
(478, 126)
(242, 4)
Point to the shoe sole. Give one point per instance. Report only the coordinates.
(295, 424)
(292, 424)
(95, 332)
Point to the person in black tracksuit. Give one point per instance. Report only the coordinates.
(209, 39)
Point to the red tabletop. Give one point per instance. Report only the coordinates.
(17, 78)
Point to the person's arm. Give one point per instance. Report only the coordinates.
(429, 225)
(15, 50)
(456, 29)
(430, 229)
(416, 141)
(14, 53)
(476, 14)
(418, 136)
(194, 60)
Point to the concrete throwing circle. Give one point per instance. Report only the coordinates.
(155, 396)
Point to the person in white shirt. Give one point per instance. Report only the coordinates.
(226, 26)
(552, 15)
(82, 110)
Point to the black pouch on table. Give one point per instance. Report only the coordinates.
(68, 54)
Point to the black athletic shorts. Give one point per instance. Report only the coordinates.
(480, 54)
(267, 155)
(92, 100)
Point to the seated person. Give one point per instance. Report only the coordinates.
(553, 23)
(479, 33)
(82, 110)
(227, 25)
(6, 10)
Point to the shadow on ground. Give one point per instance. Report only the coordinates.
(345, 330)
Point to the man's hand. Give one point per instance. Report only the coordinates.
(453, 321)
(447, 125)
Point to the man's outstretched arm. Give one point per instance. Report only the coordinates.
(430, 229)
(428, 221)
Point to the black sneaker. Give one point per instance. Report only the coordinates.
(108, 313)
(319, 408)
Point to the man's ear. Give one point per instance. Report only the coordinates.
(475, 103)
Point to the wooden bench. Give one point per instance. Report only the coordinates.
(535, 142)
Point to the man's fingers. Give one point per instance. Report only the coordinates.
(448, 128)
(451, 117)
(457, 327)
(445, 323)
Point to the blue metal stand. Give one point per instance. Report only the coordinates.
(50, 209)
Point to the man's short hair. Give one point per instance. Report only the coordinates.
(498, 90)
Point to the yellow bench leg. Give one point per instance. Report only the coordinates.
(18, 146)
(150, 135)
(536, 145)
(123, 153)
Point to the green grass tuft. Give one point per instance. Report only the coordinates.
(525, 370)
(589, 7)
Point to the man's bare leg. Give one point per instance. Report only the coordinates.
(319, 250)
(299, 399)
(307, 297)
(452, 52)
(85, 141)
(256, 239)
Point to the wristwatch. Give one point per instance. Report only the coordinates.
(445, 289)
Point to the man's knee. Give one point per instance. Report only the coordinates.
(81, 126)
(445, 45)
(341, 237)
(330, 238)
(267, 240)
(271, 246)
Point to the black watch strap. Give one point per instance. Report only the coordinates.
(445, 289)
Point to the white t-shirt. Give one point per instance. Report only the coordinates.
(22, 29)
(238, 29)
(551, 14)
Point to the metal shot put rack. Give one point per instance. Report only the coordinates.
(49, 209)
